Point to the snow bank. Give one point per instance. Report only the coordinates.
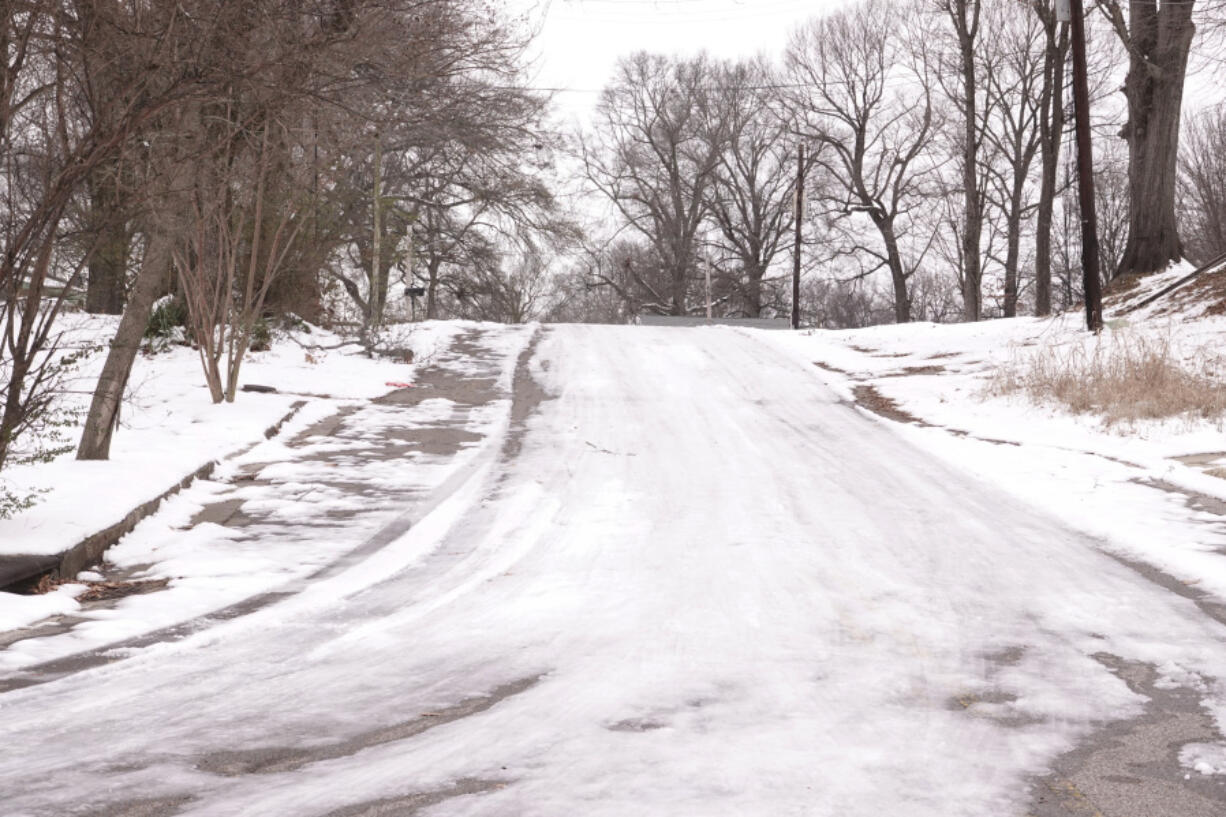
(170, 428)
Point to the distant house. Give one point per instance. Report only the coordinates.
(52, 291)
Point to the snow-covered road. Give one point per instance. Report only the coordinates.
(693, 583)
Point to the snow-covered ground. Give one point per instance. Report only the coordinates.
(170, 429)
(1095, 476)
(699, 583)
(670, 572)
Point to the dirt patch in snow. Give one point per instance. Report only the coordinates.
(867, 350)
(1209, 289)
(868, 397)
(908, 371)
(1119, 288)
(101, 590)
(819, 364)
(107, 591)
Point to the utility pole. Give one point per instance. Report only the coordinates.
(375, 301)
(1085, 171)
(706, 268)
(800, 199)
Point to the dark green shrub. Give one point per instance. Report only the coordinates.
(169, 316)
(261, 336)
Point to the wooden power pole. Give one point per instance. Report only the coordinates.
(375, 300)
(1085, 171)
(800, 198)
(706, 269)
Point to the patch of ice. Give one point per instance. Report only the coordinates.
(1206, 758)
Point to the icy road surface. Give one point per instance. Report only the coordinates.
(691, 583)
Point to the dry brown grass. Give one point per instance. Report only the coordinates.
(1122, 379)
(878, 403)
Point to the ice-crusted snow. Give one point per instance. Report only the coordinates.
(170, 429)
(210, 566)
(1205, 758)
(704, 586)
(1091, 476)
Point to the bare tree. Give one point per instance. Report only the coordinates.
(864, 98)
(620, 279)
(462, 163)
(751, 194)
(1158, 39)
(583, 296)
(831, 303)
(1111, 198)
(172, 148)
(1051, 133)
(1012, 69)
(1202, 181)
(233, 248)
(49, 150)
(220, 47)
(106, 89)
(1111, 207)
(966, 18)
(320, 75)
(655, 156)
(520, 288)
(495, 205)
(448, 243)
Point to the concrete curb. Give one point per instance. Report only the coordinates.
(20, 569)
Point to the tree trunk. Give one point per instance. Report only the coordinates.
(1013, 239)
(1012, 253)
(107, 213)
(678, 290)
(1160, 40)
(898, 276)
(27, 320)
(108, 394)
(108, 263)
(1051, 132)
(238, 351)
(753, 291)
(378, 286)
(14, 411)
(212, 377)
(965, 15)
(297, 290)
(432, 268)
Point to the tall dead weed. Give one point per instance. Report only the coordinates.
(1122, 378)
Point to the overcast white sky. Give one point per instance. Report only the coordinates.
(580, 40)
